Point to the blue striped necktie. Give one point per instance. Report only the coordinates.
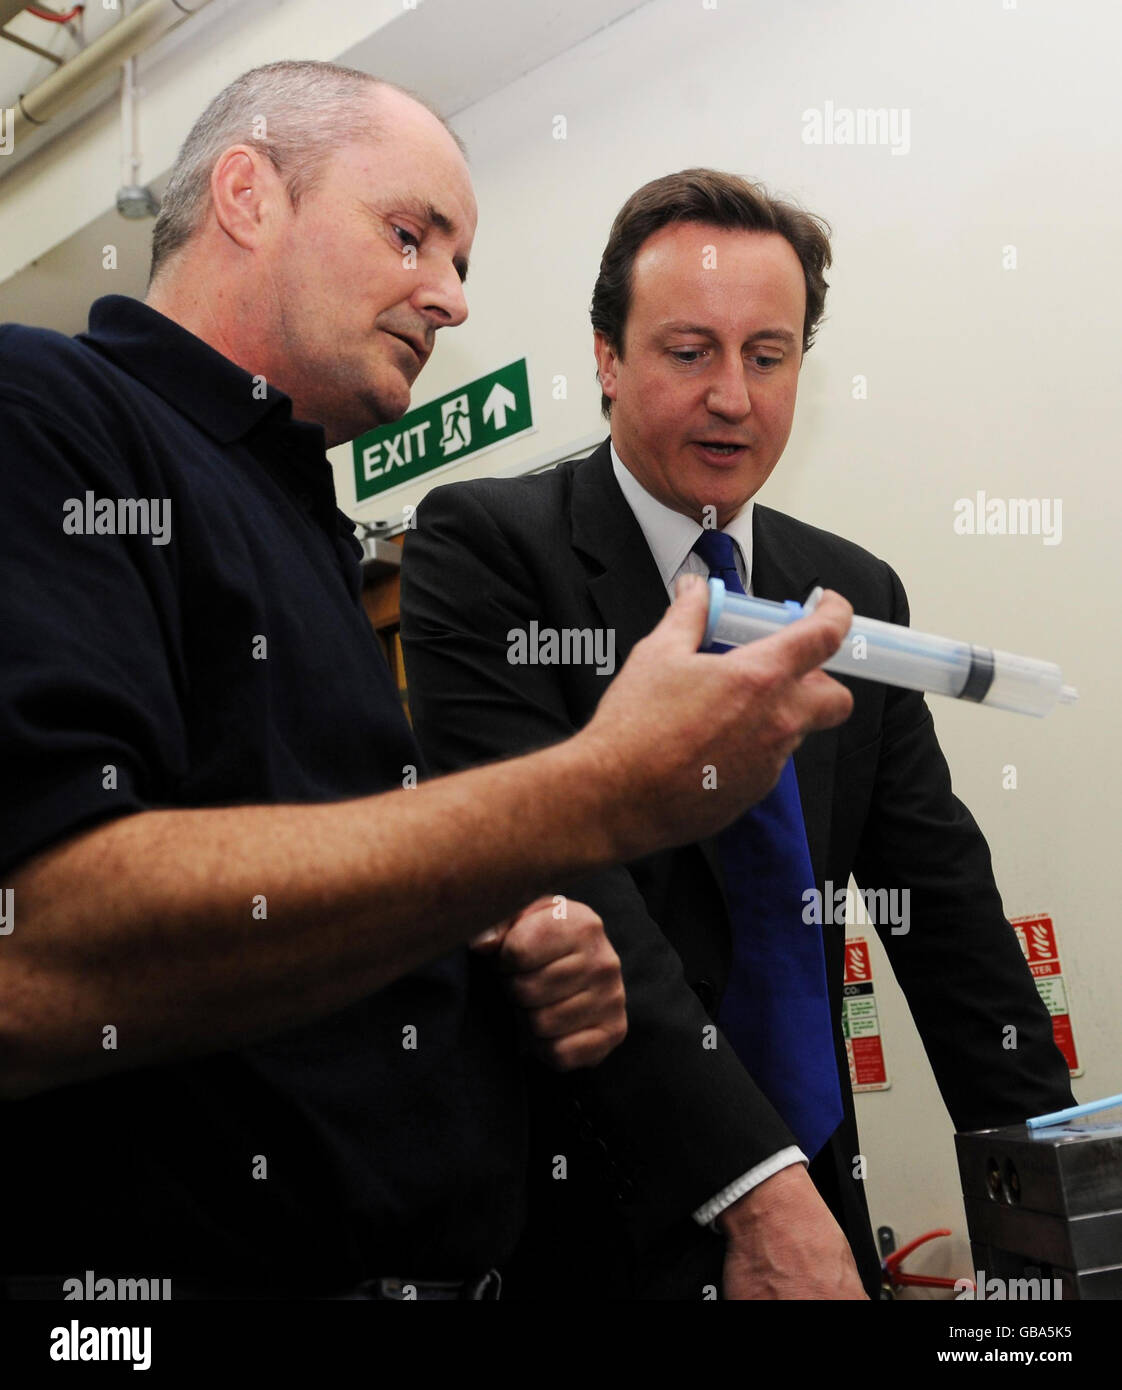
(775, 1010)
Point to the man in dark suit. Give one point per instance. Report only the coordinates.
(520, 598)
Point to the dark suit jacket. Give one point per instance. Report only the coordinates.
(664, 1124)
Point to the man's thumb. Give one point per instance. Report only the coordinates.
(687, 616)
(489, 941)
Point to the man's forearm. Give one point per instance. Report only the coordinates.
(195, 930)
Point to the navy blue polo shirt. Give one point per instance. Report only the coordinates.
(181, 626)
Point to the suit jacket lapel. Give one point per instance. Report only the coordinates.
(624, 581)
(623, 578)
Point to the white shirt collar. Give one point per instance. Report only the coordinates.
(670, 536)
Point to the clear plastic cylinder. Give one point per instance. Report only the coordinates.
(1026, 686)
(877, 651)
(899, 656)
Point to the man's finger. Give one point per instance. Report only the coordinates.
(531, 945)
(561, 979)
(683, 624)
(489, 941)
(588, 1009)
(584, 1049)
(806, 643)
(832, 703)
(799, 647)
(546, 900)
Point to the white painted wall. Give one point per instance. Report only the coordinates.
(979, 377)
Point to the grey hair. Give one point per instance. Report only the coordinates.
(297, 113)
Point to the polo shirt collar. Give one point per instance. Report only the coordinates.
(220, 398)
(213, 392)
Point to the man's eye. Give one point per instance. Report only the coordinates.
(762, 361)
(687, 356)
(406, 236)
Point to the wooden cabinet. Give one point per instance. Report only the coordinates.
(381, 597)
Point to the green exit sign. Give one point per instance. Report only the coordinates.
(454, 427)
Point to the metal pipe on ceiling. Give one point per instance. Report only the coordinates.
(99, 60)
(10, 8)
(32, 48)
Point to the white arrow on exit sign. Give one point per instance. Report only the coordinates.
(499, 401)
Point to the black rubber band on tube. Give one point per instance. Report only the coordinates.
(981, 675)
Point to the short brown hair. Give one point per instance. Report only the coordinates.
(722, 200)
(298, 113)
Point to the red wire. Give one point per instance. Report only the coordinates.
(892, 1262)
(56, 18)
(891, 1265)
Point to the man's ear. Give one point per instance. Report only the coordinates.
(243, 190)
(606, 359)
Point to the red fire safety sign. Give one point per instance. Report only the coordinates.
(1037, 936)
(860, 1021)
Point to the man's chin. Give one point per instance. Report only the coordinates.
(381, 407)
(729, 492)
(391, 409)
(721, 500)
(342, 426)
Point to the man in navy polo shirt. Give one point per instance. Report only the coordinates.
(242, 1046)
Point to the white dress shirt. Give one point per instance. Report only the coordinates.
(670, 536)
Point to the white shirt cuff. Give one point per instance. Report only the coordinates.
(706, 1215)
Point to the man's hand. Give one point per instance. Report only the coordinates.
(689, 739)
(566, 976)
(783, 1243)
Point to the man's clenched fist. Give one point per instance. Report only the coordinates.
(566, 976)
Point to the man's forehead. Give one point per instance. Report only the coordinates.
(385, 167)
(693, 245)
(407, 153)
(695, 261)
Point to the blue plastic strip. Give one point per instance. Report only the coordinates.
(1073, 1112)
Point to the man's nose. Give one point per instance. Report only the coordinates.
(442, 299)
(728, 392)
